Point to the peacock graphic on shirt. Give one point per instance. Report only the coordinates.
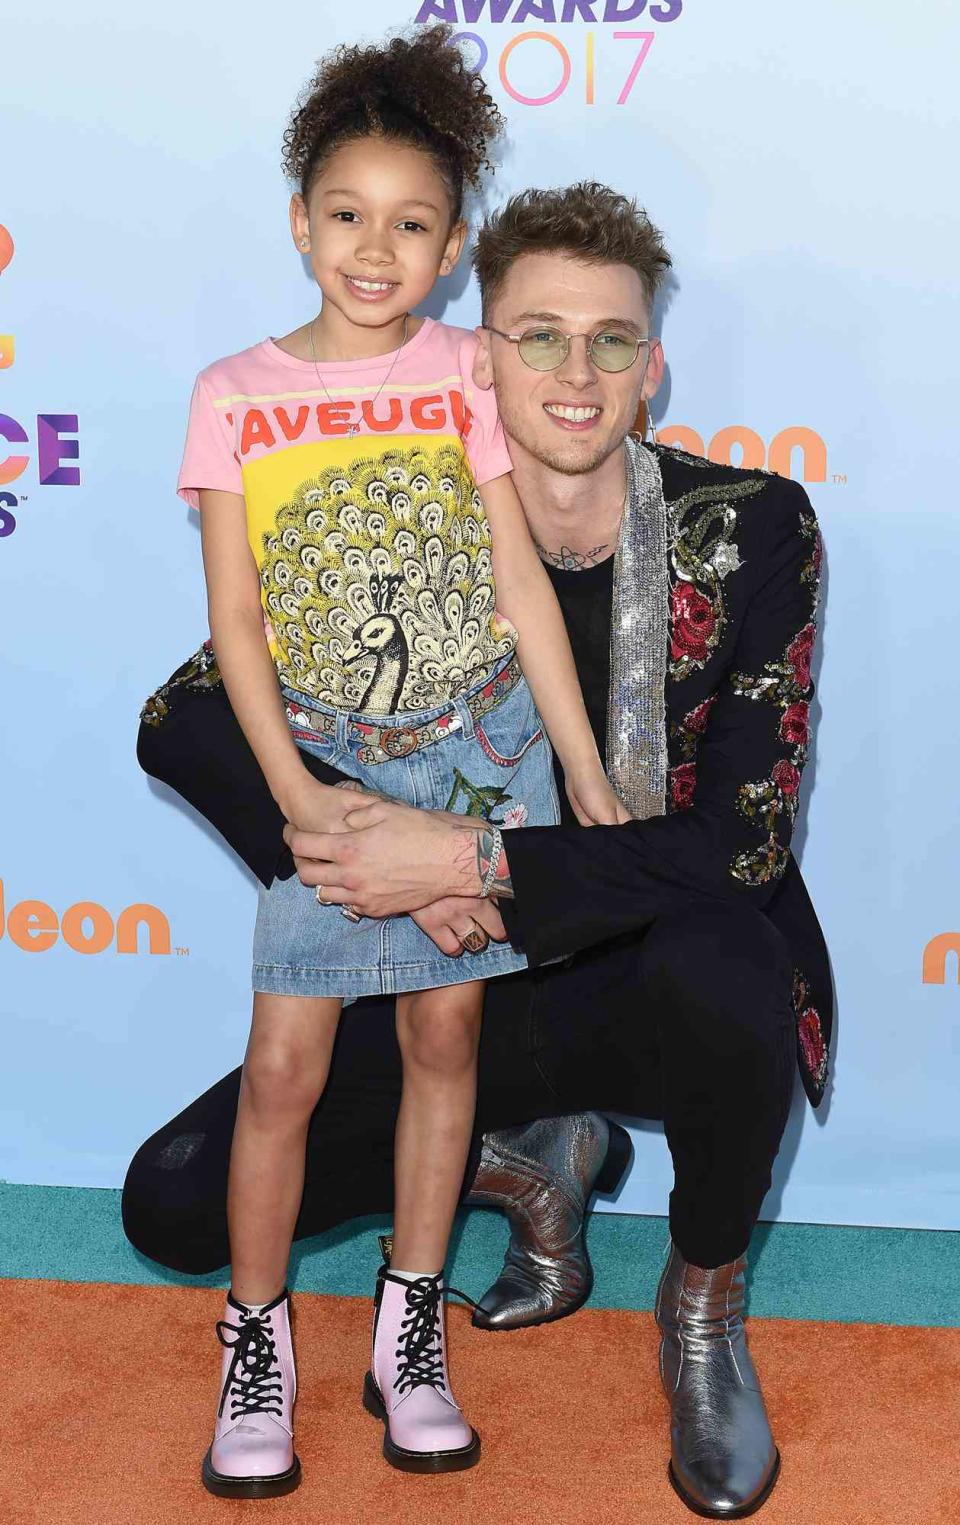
(378, 582)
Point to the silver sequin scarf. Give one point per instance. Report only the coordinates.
(639, 631)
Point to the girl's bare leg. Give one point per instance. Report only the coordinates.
(284, 1072)
(438, 1032)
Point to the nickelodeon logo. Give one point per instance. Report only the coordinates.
(935, 956)
(33, 926)
(752, 451)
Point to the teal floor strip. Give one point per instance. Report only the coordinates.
(797, 1270)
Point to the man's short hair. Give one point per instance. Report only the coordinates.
(588, 221)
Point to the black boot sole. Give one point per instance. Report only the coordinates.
(249, 1487)
(616, 1163)
(416, 1461)
(726, 1514)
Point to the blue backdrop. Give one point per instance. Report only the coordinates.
(796, 161)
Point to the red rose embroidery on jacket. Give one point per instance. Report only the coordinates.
(794, 727)
(697, 719)
(811, 1040)
(799, 653)
(786, 776)
(683, 784)
(693, 623)
(771, 802)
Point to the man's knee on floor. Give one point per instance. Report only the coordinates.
(166, 1212)
(722, 971)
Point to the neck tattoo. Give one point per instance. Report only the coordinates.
(572, 561)
(569, 560)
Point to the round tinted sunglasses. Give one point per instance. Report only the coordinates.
(545, 348)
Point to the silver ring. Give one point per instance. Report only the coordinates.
(319, 895)
(350, 912)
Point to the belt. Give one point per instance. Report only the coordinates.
(385, 743)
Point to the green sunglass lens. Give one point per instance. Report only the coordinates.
(543, 349)
(613, 351)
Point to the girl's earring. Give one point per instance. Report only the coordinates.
(303, 243)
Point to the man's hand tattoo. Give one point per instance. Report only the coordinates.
(503, 884)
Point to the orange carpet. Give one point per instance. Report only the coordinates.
(113, 1389)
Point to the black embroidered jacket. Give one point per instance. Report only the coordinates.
(744, 569)
(745, 555)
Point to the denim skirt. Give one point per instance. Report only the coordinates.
(498, 767)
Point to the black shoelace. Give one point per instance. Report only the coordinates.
(420, 1351)
(249, 1375)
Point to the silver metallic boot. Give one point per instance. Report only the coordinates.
(724, 1462)
(542, 1176)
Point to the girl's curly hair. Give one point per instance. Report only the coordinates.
(414, 90)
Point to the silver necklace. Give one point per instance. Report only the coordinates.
(354, 429)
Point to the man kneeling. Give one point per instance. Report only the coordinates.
(677, 968)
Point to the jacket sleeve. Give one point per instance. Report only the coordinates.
(728, 833)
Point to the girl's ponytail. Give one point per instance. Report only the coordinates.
(415, 90)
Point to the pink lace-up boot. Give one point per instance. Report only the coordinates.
(408, 1387)
(252, 1452)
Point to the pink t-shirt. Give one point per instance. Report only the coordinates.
(362, 513)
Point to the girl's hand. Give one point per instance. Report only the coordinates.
(593, 800)
(322, 807)
(457, 917)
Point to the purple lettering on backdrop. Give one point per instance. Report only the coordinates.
(51, 449)
(613, 10)
(7, 522)
(437, 10)
(474, 9)
(545, 10)
(11, 431)
(539, 10)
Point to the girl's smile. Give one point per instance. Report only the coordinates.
(367, 290)
(377, 228)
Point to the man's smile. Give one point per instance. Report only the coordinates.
(577, 416)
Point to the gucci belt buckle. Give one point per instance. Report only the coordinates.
(398, 741)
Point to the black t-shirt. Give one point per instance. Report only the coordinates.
(586, 599)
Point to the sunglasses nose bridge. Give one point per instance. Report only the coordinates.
(577, 357)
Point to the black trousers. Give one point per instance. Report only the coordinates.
(691, 1021)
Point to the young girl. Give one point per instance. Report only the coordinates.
(355, 502)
